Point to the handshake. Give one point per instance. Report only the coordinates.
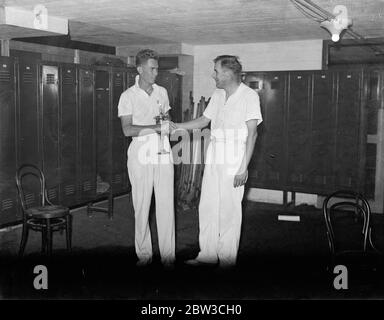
(168, 127)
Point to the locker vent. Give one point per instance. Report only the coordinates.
(52, 194)
(118, 82)
(5, 76)
(6, 204)
(50, 78)
(27, 77)
(87, 186)
(117, 179)
(87, 81)
(274, 176)
(68, 79)
(254, 174)
(69, 190)
(30, 199)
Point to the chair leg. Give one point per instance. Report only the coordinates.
(24, 238)
(43, 240)
(110, 206)
(68, 231)
(49, 237)
(89, 209)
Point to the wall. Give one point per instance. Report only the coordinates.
(271, 56)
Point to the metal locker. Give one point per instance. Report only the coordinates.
(87, 151)
(349, 127)
(269, 157)
(172, 82)
(103, 130)
(29, 144)
(119, 153)
(68, 134)
(323, 125)
(131, 76)
(50, 129)
(298, 131)
(8, 195)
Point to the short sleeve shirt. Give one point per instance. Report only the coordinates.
(229, 117)
(143, 107)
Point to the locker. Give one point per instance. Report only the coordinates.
(8, 195)
(119, 152)
(68, 135)
(298, 131)
(348, 130)
(86, 137)
(268, 162)
(172, 82)
(50, 129)
(103, 129)
(323, 129)
(29, 146)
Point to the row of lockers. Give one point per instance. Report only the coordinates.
(314, 135)
(62, 118)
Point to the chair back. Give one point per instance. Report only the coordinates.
(340, 205)
(28, 179)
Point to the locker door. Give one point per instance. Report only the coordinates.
(323, 128)
(172, 82)
(103, 129)
(50, 129)
(131, 75)
(119, 153)
(87, 156)
(298, 131)
(29, 139)
(68, 145)
(268, 162)
(348, 118)
(8, 195)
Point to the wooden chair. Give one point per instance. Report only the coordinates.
(42, 216)
(351, 244)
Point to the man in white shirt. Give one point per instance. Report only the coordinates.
(138, 107)
(234, 113)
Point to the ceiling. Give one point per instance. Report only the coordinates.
(199, 22)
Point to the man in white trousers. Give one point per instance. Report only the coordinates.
(138, 107)
(234, 113)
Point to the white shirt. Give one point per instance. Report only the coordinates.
(229, 117)
(143, 107)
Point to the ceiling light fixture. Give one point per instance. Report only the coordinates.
(336, 25)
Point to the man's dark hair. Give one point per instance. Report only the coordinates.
(144, 55)
(231, 63)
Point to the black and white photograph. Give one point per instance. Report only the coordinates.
(190, 157)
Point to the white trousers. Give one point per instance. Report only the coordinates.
(220, 211)
(147, 173)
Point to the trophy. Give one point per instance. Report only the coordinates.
(159, 120)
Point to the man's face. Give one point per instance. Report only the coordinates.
(220, 75)
(148, 71)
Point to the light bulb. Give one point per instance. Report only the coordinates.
(335, 37)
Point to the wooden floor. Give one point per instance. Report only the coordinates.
(277, 260)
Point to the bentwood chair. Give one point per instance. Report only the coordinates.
(347, 217)
(41, 215)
